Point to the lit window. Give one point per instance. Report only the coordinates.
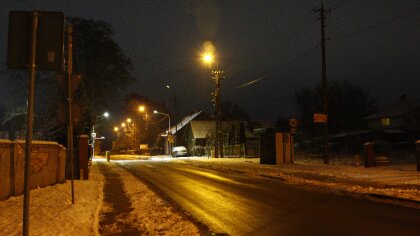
(385, 121)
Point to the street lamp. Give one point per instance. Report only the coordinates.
(169, 129)
(93, 136)
(99, 118)
(208, 58)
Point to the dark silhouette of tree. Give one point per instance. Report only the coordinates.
(104, 68)
(348, 104)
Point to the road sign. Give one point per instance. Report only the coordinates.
(171, 138)
(320, 118)
(293, 122)
(49, 43)
(62, 81)
(76, 113)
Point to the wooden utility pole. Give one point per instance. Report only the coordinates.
(322, 12)
(69, 104)
(217, 137)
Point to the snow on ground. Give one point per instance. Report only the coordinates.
(52, 213)
(51, 210)
(399, 181)
(151, 214)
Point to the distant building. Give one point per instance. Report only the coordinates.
(400, 118)
(196, 133)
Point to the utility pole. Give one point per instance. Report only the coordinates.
(69, 104)
(217, 138)
(322, 12)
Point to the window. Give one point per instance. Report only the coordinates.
(385, 121)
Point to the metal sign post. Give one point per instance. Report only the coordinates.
(29, 123)
(35, 41)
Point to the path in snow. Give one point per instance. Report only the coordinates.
(117, 205)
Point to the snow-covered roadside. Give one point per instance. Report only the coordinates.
(385, 181)
(151, 214)
(51, 210)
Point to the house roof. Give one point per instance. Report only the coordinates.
(205, 128)
(184, 122)
(395, 110)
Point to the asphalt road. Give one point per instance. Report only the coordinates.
(243, 205)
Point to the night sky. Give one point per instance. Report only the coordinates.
(373, 43)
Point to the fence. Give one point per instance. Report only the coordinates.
(48, 165)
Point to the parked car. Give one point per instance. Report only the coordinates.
(179, 151)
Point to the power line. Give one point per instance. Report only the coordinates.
(374, 26)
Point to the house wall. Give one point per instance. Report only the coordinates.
(48, 162)
(394, 122)
(413, 120)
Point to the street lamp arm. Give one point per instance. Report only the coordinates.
(169, 118)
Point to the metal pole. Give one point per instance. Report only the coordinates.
(29, 125)
(69, 104)
(324, 85)
(93, 136)
(169, 132)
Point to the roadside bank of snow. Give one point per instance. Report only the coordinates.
(401, 182)
(52, 213)
(51, 210)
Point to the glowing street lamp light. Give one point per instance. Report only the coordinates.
(142, 108)
(208, 58)
(106, 114)
(128, 120)
(123, 124)
(116, 129)
(169, 129)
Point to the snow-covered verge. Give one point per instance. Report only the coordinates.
(151, 214)
(52, 211)
(401, 182)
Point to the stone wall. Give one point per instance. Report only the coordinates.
(48, 164)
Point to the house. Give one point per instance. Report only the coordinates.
(196, 133)
(398, 120)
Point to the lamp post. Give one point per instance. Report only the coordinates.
(132, 131)
(99, 118)
(169, 129)
(116, 129)
(93, 136)
(208, 58)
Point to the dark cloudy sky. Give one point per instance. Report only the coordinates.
(374, 43)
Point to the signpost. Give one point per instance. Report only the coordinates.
(293, 123)
(320, 118)
(35, 41)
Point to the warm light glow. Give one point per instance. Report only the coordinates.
(167, 86)
(128, 120)
(123, 124)
(142, 108)
(208, 55)
(208, 58)
(116, 129)
(155, 112)
(106, 114)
